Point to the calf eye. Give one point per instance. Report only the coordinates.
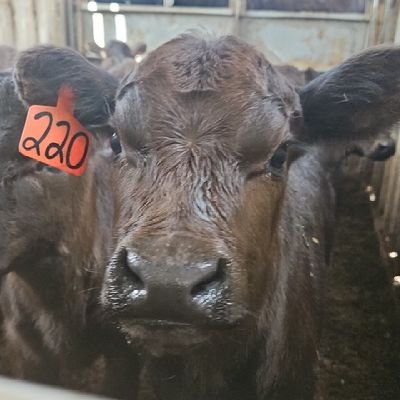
(115, 144)
(286, 153)
(275, 166)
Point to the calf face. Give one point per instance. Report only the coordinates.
(196, 233)
(54, 226)
(219, 245)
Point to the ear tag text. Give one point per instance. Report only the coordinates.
(54, 137)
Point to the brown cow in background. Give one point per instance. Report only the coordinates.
(121, 59)
(117, 58)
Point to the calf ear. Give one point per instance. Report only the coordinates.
(41, 71)
(357, 99)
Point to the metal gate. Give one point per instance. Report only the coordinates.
(318, 39)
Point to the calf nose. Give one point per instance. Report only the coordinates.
(185, 292)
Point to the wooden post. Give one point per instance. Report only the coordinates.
(51, 22)
(25, 23)
(7, 28)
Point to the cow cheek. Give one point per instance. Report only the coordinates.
(257, 225)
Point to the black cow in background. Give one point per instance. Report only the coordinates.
(55, 232)
(380, 148)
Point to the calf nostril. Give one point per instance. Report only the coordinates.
(214, 276)
(132, 263)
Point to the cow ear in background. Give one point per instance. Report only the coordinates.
(310, 74)
(41, 71)
(357, 99)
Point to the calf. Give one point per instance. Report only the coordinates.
(54, 227)
(375, 149)
(222, 221)
(120, 59)
(297, 77)
(94, 53)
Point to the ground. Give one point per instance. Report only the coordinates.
(359, 356)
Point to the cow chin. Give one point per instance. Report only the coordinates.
(160, 338)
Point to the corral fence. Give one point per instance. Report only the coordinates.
(320, 37)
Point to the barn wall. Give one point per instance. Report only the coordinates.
(24, 23)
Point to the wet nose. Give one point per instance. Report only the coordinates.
(185, 292)
(383, 150)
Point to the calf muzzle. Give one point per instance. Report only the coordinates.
(173, 291)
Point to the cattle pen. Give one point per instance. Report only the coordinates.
(359, 356)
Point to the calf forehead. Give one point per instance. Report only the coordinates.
(224, 65)
(193, 85)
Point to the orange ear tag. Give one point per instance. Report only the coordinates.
(54, 137)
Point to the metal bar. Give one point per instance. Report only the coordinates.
(103, 8)
(373, 12)
(385, 22)
(393, 211)
(243, 6)
(384, 190)
(238, 4)
(397, 29)
(69, 23)
(78, 18)
(390, 198)
(230, 11)
(354, 17)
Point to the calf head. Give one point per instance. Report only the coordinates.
(197, 203)
(206, 127)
